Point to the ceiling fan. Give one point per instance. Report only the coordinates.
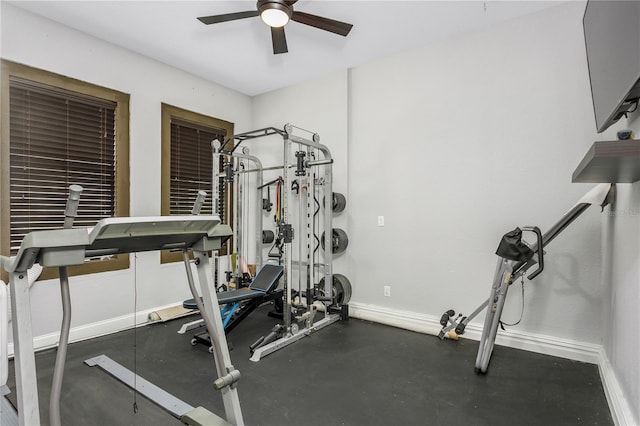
(276, 13)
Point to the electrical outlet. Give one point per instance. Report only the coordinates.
(387, 290)
(380, 220)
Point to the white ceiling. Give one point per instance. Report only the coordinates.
(239, 55)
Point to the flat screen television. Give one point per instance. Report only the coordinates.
(612, 39)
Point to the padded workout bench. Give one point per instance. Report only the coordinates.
(238, 304)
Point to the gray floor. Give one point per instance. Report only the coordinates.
(351, 373)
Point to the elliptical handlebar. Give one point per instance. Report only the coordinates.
(539, 249)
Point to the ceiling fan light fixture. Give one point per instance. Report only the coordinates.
(275, 14)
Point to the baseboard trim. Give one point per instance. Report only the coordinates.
(422, 323)
(618, 404)
(96, 329)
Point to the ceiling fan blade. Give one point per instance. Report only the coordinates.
(291, 2)
(331, 25)
(216, 19)
(279, 40)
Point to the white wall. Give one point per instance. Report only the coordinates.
(621, 278)
(458, 143)
(44, 44)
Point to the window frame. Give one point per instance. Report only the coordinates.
(183, 115)
(12, 69)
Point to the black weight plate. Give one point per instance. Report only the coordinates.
(342, 286)
(339, 202)
(341, 291)
(339, 240)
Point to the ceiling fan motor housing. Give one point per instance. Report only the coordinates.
(281, 5)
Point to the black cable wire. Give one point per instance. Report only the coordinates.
(502, 323)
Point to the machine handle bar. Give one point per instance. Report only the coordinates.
(71, 209)
(197, 205)
(539, 250)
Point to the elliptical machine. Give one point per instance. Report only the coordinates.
(515, 255)
(515, 258)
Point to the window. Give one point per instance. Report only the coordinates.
(57, 131)
(187, 161)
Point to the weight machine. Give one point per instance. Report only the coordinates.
(308, 170)
(515, 258)
(73, 246)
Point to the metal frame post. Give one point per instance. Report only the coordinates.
(327, 191)
(497, 297)
(311, 228)
(258, 204)
(286, 185)
(210, 311)
(24, 355)
(215, 183)
(237, 217)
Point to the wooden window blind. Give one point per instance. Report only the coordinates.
(57, 138)
(191, 164)
(187, 162)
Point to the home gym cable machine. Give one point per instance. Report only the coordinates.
(515, 258)
(308, 171)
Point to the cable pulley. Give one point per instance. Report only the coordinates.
(268, 236)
